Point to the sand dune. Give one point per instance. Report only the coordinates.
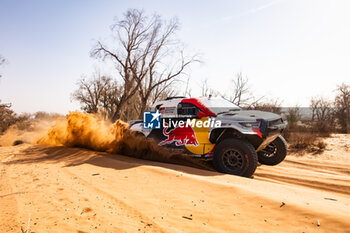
(76, 190)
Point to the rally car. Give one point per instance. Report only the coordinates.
(214, 128)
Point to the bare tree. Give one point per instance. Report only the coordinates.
(321, 109)
(241, 94)
(273, 105)
(100, 94)
(131, 109)
(162, 92)
(206, 90)
(293, 115)
(141, 47)
(155, 81)
(342, 104)
(322, 120)
(97, 92)
(188, 91)
(7, 116)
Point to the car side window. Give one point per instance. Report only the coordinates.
(187, 109)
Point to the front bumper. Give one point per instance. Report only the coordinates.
(270, 131)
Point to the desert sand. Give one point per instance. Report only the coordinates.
(60, 189)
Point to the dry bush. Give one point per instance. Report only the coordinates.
(26, 128)
(293, 128)
(293, 115)
(23, 121)
(303, 138)
(306, 142)
(307, 136)
(7, 117)
(46, 115)
(321, 146)
(322, 128)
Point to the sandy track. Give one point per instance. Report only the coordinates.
(76, 190)
(326, 176)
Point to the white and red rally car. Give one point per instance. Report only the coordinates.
(214, 128)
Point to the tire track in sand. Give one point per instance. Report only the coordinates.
(129, 211)
(8, 202)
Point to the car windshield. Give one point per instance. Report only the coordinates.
(218, 105)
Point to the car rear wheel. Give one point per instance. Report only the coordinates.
(274, 153)
(235, 156)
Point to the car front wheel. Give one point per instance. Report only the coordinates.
(274, 153)
(235, 156)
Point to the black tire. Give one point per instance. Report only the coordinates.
(236, 157)
(274, 153)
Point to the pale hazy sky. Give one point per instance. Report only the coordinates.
(290, 49)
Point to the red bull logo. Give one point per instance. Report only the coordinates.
(180, 135)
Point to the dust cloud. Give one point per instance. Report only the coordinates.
(90, 131)
(29, 131)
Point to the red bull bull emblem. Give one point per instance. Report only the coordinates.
(180, 135)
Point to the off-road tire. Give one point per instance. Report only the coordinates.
(279, 148)
(236, 157)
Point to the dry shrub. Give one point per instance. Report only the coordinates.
(46, 116)
(292, 130)
(321, 128)
(26, 131)
(7, 117)
(23, 122)
(301, 138)
(320, 146)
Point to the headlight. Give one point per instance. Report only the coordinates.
(255, 124)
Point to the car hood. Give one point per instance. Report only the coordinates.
(247, 115)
